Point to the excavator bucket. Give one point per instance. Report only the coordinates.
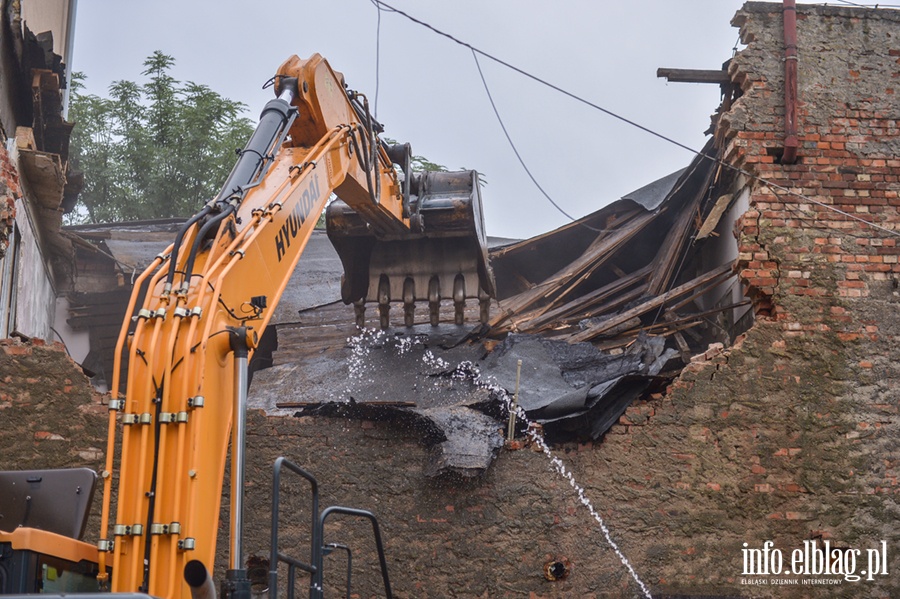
(444, 258)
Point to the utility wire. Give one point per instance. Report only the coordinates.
(519, 156)
(869, 5)
(771, 184)
(536, 78)
(377, 56)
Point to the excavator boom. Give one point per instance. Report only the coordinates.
(199, 309)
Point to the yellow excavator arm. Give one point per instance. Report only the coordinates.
(197, 312)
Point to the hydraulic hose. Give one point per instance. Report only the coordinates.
(170, 279)
(209, 225)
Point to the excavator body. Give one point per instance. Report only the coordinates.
(197, 312)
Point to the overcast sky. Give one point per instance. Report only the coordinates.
(430, 93)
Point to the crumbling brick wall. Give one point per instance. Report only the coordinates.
(792, 434)
(50, 415)
(801, 247)
(9, 189)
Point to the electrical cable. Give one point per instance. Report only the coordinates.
(773, 185)
(537, 79)
(377, 58)
(867, 5)
(519, 156)
(63, 341)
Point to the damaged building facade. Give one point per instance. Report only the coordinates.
(786, 432)
(37, 183)
(712, 357)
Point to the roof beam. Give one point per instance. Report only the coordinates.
(694, 75)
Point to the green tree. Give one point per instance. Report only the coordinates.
(153, 150)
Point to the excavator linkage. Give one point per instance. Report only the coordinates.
(444, 257)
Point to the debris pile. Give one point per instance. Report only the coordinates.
(640, 265)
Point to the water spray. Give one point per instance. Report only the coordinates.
(533, 433)
(470, 370)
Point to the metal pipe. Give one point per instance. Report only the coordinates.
(238, 444)
(199, 581)
(69, 50)
(511, 431)
(791, 143)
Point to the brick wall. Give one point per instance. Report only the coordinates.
(800, 245)
(9, 189)
(50, 416)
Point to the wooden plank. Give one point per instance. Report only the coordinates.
(712, 220)
(617, 271)
(615, 303)
(699, 291)
(700, 315)
(602, 251)
(683, 348)
(656, 302)
(628, 338)
(584, 302)
(672, 249)
(693, 75)
(616, 218)
(673, 316)
(668, 254)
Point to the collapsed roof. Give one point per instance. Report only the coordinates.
(601, 312)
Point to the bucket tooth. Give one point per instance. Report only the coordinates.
(448, 242)
(359, 309)
(409, 301)
(434, 300)
(484, 305)
(384, 301)
(459, 299)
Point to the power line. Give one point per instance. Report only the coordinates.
(519, 156)
(536, 78)
(772, 184)
(377, 56)
(868, 5)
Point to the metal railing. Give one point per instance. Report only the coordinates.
(318, 550)
(275, 554)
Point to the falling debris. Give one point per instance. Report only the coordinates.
(423, 381)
